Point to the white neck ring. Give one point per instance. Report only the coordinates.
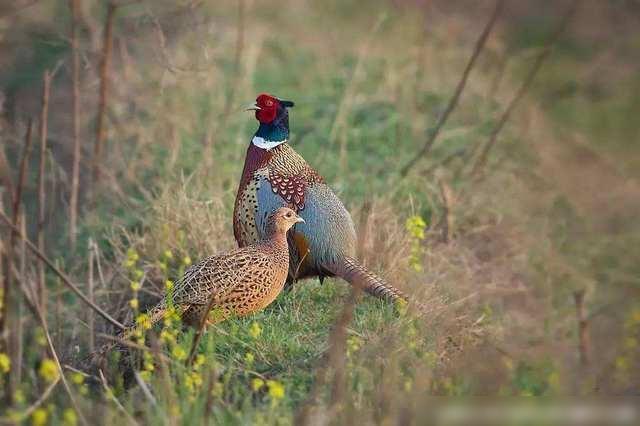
(265, 144)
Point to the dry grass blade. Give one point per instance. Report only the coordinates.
(37, 403)
(10, 326)
(459, 88)
(113, 398)
(67, 282)
(54, 355)
(200, 331)
(44, 118)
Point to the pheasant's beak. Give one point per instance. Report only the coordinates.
(299, 220)
(253, 107)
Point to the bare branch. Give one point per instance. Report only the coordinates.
(60, 274)
(107, 48)
(75, 171)
(544, 54)
(453, 102)
(44, 117)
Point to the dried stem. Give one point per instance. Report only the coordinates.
(544, 54)
(92, 317)
(107, 48)
(583, 328)
(54, 355)
(75, 171)
(37, 403)
(44, 119)
(10, 310)
(453, 102)
(65, 280)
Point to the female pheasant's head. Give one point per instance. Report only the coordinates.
(273, 116)
(281, 220)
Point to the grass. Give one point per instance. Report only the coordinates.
(552, 216)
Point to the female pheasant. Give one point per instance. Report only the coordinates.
(275, 175)
(241, 282)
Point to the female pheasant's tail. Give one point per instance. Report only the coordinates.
(357, 275)
(98, 358)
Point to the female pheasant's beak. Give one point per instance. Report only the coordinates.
(253, 107)
(299, 220)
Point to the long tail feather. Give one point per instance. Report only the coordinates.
(357, 275)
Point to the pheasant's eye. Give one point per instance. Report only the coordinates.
(289, 215)
(269, 102)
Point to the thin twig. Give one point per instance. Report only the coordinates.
(526, 84)
(334, 357)
(10, 302)
(200, 330)
(44, 119)
(60, 274)
(75, 170)
(453, 102)
(91, 313)
(110, 394)
(583, 327)
(54, 355)
(104, 91)
(38, 402)
(145, 389)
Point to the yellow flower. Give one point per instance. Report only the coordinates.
(255, 330)
(18, 396)
(143, 321)
(163, 266)
(69, 417)
(138, 274)
(135, 285)
(186, 261)
(217, 390)
(5, 363)
(179, 353)
(145, 375)
(276, 390)
(39, 417)
(40, 337)
(167, 254)
(168, 284)
(48, 370)
(257, 384)
(134, 303)
(416, 226)
(249, 358)
(199, 361)
(77, 378)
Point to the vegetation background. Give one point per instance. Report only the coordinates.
(519, 253)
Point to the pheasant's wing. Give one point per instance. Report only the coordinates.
(212, 275)
(216, 276)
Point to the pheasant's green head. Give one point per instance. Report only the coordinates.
(273, 116)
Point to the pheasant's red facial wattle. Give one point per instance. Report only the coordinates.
(268, 108)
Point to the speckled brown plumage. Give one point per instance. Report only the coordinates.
(241, 281)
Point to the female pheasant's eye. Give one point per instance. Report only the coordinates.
(289, 214)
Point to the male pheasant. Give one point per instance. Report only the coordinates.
(275, 175)
(241, 282)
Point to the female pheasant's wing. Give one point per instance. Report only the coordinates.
(211, 277)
